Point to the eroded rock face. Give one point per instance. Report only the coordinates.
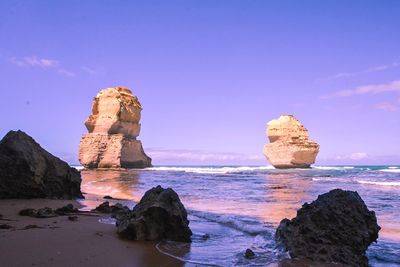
(159, 215)
(337, 227)
(113, 127)
(29, 171)
(290, 145)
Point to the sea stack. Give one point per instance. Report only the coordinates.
(290, 145)
(113, 128)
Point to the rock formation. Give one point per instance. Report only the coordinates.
(29, 171)
(113, 127)
(337, 227)
(290, 146)
(159, 215)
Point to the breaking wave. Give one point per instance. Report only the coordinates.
(213, 170)
(379, 183)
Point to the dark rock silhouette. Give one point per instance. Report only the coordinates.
(337, 227)
(49, 212)
(29, 171)
(159, 215)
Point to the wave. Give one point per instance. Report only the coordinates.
(243, 224)
(379, 183)
(390, 170)
(393, 167)
(333, 167)
(78, 167)
(213, 170)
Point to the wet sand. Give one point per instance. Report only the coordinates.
(58, 241)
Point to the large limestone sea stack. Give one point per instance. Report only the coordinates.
(113, 128)
(290, 145)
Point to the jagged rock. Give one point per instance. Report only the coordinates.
(159, 215)
(290, 145)
(117, 210)
(29, 171)
(249, 254)
(39, 213)
(337, 227)
(69, 208)
(48, 212)
(113, 127)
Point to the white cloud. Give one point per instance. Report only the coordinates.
(175, 156)
(34, 61)
(353, 156)
(384, 67)
(89, 70)
(372, 89)
(45, 63)
(387, 107)
(66, 72)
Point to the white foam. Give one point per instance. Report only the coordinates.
(333, 167)
(324, 179)
(78, 167)
(212, 170)
(393, 167)
(379, 183)
(249, 226)
(391, 170)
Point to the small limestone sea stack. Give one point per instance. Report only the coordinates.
(29, 171)
(337, 227)
(113, 128)
(290, 145)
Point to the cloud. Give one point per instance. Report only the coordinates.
(66, 72)
(353, 156)
(34, 61)
(371, 89)
(89, 70)
(45, 63)
(387, 107)
(343, 75)
(182, 156)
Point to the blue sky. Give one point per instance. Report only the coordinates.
(209, 74)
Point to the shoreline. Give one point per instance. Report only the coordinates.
(57, 241)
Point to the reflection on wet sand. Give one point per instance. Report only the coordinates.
(122, 184)
(286, 193)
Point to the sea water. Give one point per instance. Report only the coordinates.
(240, 207)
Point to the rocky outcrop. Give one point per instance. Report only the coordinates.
(337, 227)
(159, 215)
(113, 128)
(290, 145)
(29, 171)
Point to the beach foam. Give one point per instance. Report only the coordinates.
(379, 183)
(213, 170)
(333, 167)
(391, 170)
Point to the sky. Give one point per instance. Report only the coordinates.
(209, 74)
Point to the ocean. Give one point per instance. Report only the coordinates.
(239, 207)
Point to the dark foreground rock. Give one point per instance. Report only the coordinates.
(117, 210)
(159, 215)
(337, 227)
(29, 171)
(49, 212)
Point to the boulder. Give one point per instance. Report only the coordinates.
(113, 128)
(337, 227)
(290, 145)
(29, 171)
(159, 215)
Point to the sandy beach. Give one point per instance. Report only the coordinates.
(58, 241)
